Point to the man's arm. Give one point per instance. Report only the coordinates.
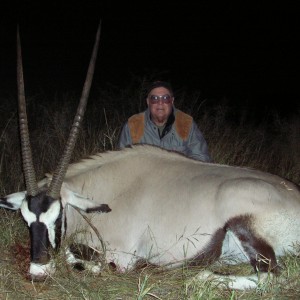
(197, 146)
(125, 137)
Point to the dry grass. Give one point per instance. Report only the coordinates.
(146, 284)
(273, 147)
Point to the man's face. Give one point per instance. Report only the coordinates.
(160, 103)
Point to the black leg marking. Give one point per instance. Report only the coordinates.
(103, 208)
(143, 264)
(211, 252)
(112, 266)
(84, 252)
(79, 267)
(261, 254)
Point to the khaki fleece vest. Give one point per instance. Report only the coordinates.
(136, 124)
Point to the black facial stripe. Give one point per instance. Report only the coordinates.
(39, 243)
(40, 203)
(65, 224)
(3, 202)
(58, 230)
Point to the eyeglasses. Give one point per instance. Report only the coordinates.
(166, 99)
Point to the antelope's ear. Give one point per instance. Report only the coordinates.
(83, 203)
(13, 201)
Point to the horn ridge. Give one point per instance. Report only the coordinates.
(58, 176)
(28, 168)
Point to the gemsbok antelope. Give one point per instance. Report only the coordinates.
(146, 204)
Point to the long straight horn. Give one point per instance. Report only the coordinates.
(28, 169)
(61, 170)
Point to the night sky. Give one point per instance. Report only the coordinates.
(246, 51)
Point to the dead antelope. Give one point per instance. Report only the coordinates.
(157, 206)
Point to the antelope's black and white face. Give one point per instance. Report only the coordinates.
(43, 215)
(43, 210)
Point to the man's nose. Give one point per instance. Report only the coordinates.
(160, 101)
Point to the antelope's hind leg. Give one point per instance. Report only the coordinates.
(258, 250)
(237, 242)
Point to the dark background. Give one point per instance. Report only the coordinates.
(246, 52)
